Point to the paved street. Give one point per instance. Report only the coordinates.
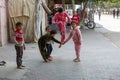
(100, 60)
(110, 28)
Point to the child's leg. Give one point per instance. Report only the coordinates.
(77, 50)
(62, 27)
(49, 49)
(63, 36)
(43, 52)
(19, 54)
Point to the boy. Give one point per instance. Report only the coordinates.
(49, 44)
(43, 41)
(19, 44)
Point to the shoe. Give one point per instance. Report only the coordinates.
(19, 67)
(22, 66)
(2, 63)
(76, 60)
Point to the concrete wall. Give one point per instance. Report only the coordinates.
(3, 23)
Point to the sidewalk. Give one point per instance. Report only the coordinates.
(109, 27)
(100, 60)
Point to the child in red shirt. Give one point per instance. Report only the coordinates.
(19, 44)
(76, 18)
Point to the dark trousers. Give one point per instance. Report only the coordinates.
(43, 51)
(19, 55)
(49, 49)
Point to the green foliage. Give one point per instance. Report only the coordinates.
(107, 3)
(114, 1)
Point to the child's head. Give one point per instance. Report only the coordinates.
(53, 33)
(75, 13)
(73, 24)
(19, 25)
(48, 29)
(60, 9)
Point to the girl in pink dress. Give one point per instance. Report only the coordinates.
(75, 34)
(59, 19)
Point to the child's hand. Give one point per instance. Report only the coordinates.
(24, 47)
(19, 43)
(63, 43)
(61, 33)
(60, 45)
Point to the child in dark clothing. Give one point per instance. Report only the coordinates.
(43, 41)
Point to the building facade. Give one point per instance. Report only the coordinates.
(3, 23)
(32, 13)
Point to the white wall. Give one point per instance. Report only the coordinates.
(3, 23)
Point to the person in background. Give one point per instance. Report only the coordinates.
(59, 19)
(117, 13)
(99, 14)
(114, 13)
(76, 18)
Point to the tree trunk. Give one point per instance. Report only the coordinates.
(83, 12)
(63, 2)
(84, 7)
(73, 5)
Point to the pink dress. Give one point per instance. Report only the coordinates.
(75, 34)
(59, 19)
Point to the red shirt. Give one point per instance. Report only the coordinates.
(61, 17)
(19, 35)
(76, 18)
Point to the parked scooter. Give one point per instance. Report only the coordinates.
(89, 22)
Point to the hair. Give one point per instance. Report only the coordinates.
(53, 32)
(18, 24)
(75, 12)
(60, 9)
(47, 28)
(73, 22)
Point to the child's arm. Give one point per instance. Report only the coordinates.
(79, 35)
(54, 19)
(69, 37)
(69, 19)
(55, 40)
(60, 45)
(16, 42)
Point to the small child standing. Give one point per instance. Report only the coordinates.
(19, 44)
(49, 44)
(76, 18)
(75, 34)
